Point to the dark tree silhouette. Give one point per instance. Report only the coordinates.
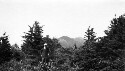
(5, 49)
(90, 38)
(40, 49)
(111, 47)
(33, 44)
(90, 34)
(85, 58)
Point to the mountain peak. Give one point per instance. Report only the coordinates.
(66, 41)
(64, 37)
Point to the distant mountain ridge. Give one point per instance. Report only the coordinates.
(66, 41)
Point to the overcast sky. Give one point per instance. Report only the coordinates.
(60, 17)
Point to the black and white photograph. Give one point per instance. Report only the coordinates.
(62, 35)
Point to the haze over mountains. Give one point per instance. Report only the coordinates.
(66, 41)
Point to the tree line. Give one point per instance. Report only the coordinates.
(40, 53)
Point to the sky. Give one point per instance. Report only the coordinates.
(60, 17)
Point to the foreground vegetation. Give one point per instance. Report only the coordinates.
(40, 53)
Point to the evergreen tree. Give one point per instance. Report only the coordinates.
(33, 43)
(90, 34)
(110, 48)
(85, 58)
(90, 37)
(5, 53)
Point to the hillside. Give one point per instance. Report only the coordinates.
(66, 41)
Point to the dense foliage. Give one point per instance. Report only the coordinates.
(5, 49)
(39, 53)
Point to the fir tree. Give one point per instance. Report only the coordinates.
(85, 59)
(90, 34)
(5, 47)
(33, 43)
(90, 38)
(110, 48)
